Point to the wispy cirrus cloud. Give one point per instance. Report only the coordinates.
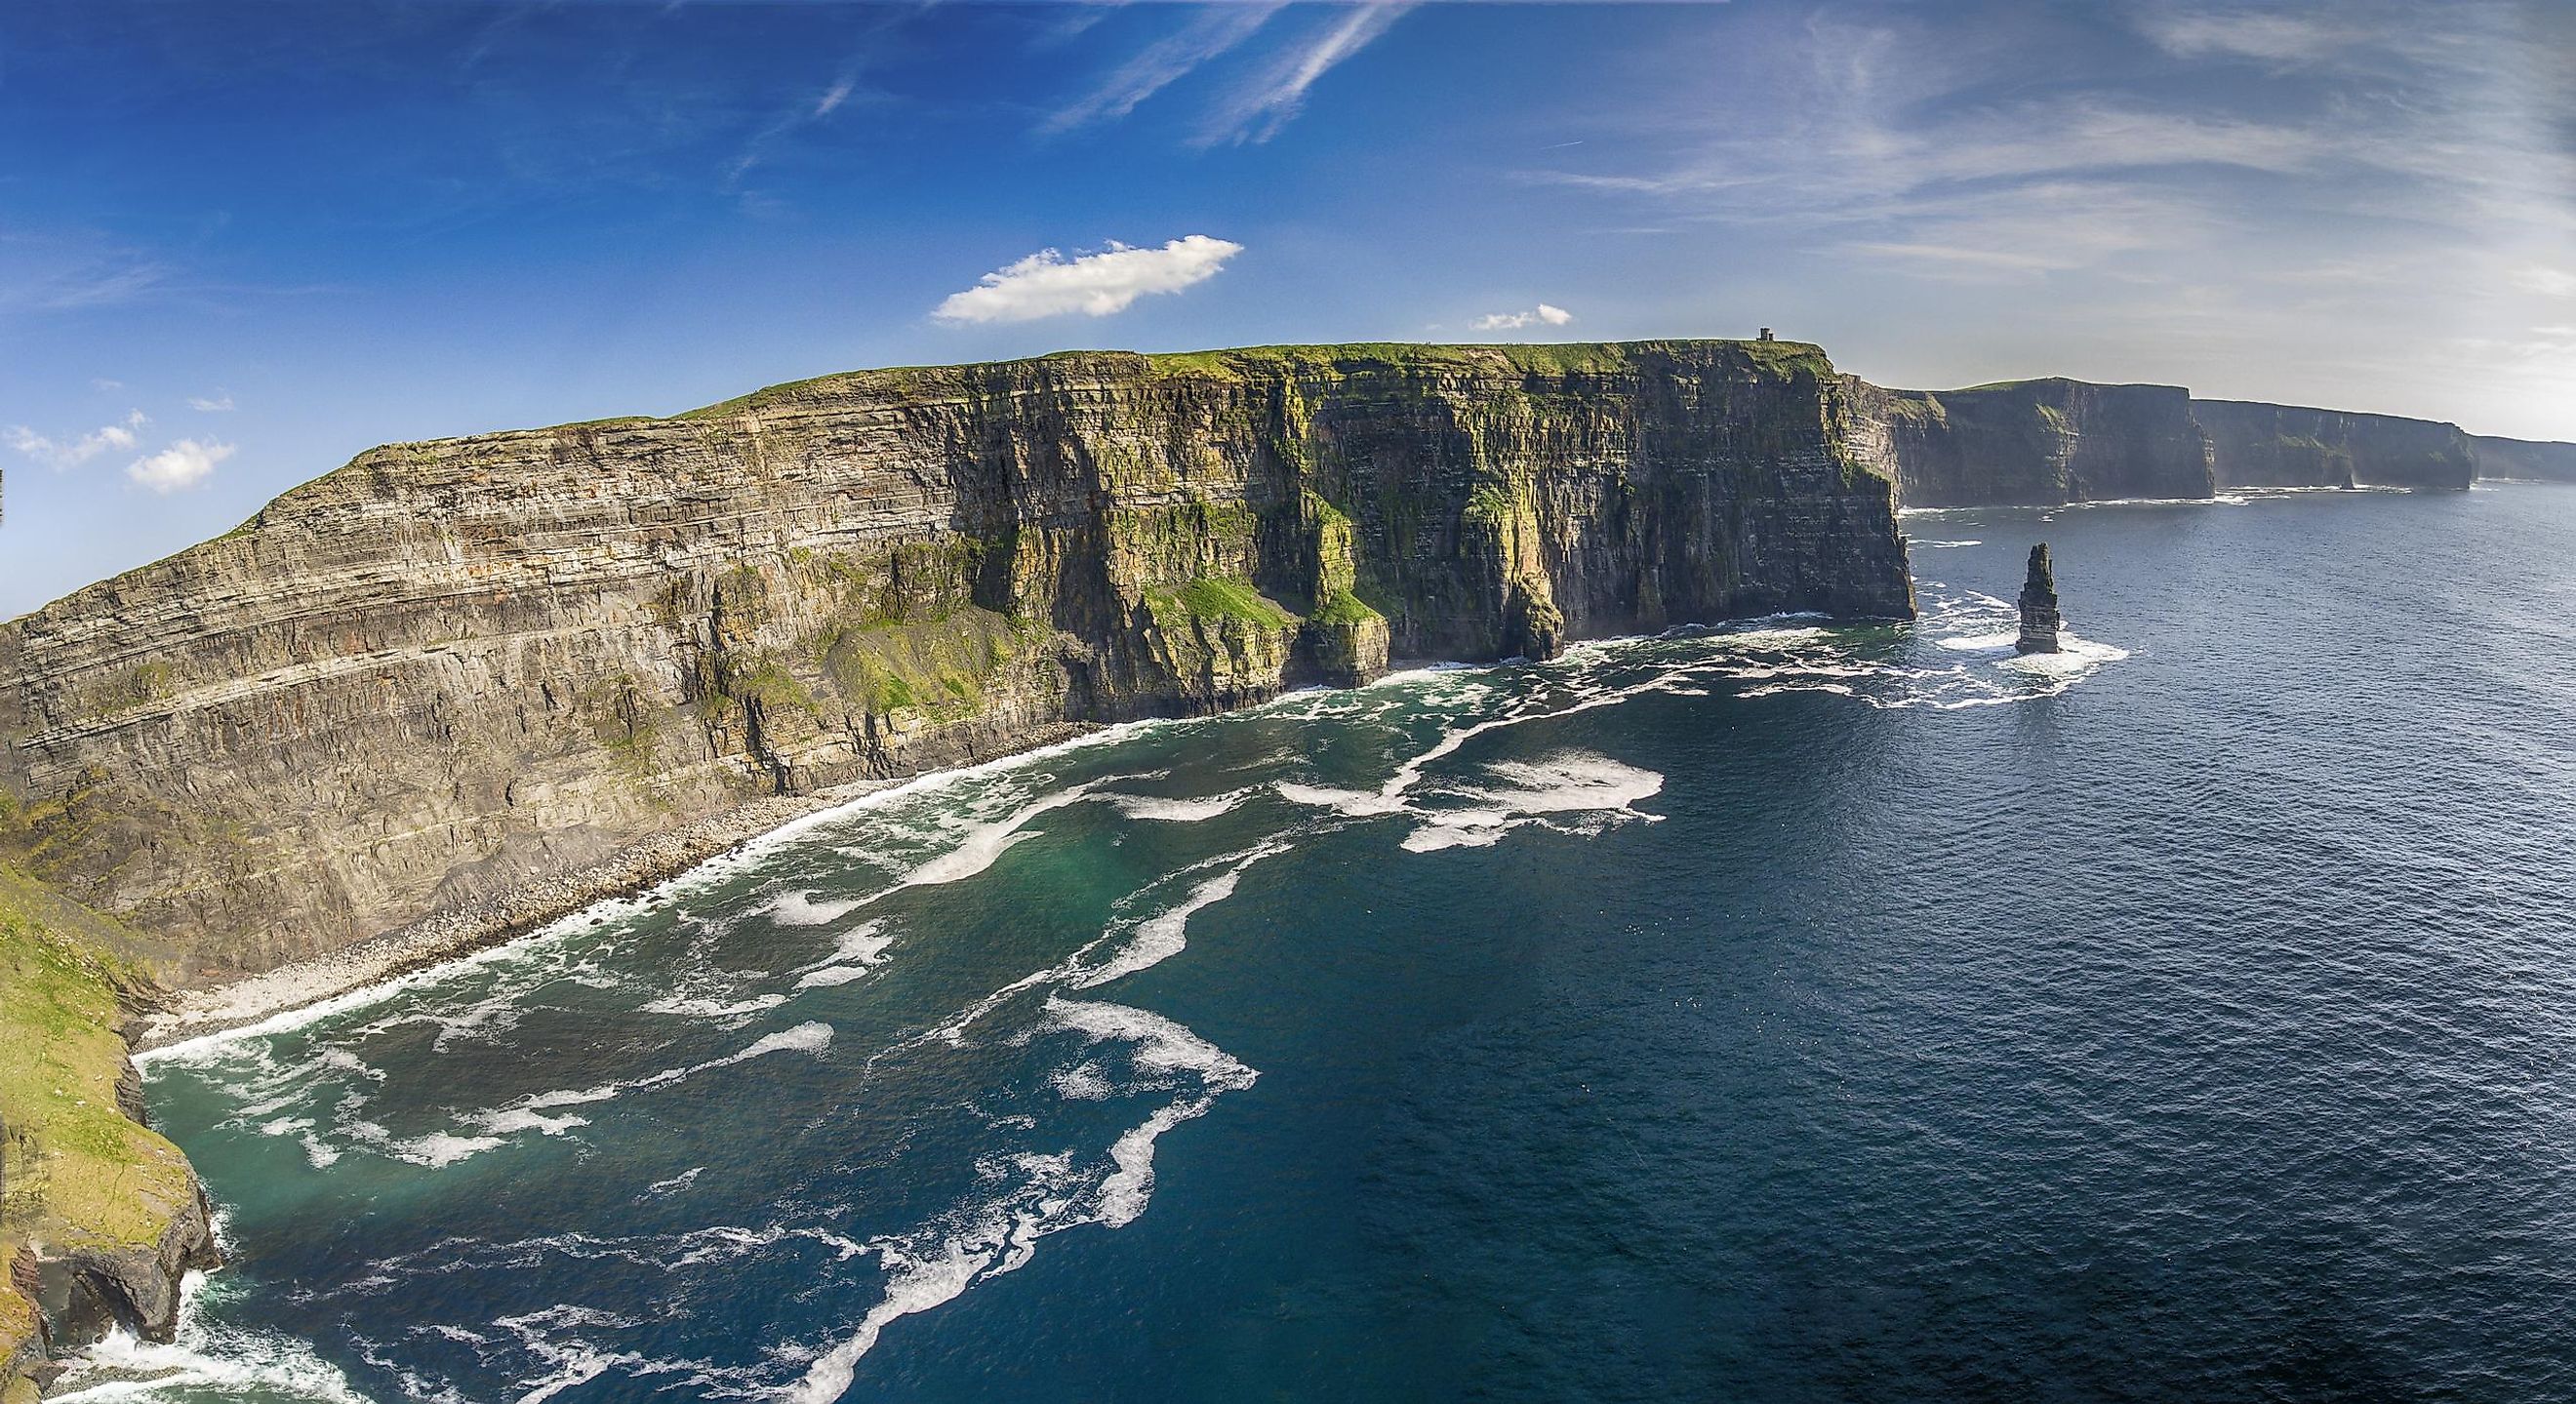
(1208, 35)
(1096, 284)
(2548, 282)
(1901, 138)
(804, 112)
(2271, 35)
(1263, 93)
(68, 453)
(1258, 111)
(221, 402)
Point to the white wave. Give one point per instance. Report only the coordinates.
(675, 1184)
(577, 1367)
(913, 1285)
(856, 952)
(1178, 811)
(1165, 934)
(1124, 1194)
(1943, 545)
(203, 1356)
(986, 843)
(440, 1149)
(2074, 658)
(1083, 1082)
(935, 1265)
(574, 1361)
(812, 1037)
(707, 1008)
(800, 909)
(1357, 804)
(1982, 643)
(1568, 782)
(1160, 1045)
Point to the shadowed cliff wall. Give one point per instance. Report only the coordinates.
(2260, 445)
(2523, 458)
(2034, 442)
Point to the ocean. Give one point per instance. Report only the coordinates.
(1774, 1012)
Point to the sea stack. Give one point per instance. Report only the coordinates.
(2039, 621)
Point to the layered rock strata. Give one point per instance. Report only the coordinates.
(2260, 445)
(2035, 442)
(2044, 442)
(452, 668)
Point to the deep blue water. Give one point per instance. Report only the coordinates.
(1773, 1014)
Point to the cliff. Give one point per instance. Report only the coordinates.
(2034, 442)
(2259, 445)
(453, 668)
(99, 1217)
(2040, 442)
(2523, 458)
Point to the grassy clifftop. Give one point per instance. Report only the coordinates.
(1241, 363)
(79, 1179)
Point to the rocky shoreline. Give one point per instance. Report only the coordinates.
(512, 912)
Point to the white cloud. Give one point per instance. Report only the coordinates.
(59, 455)
(221, 402)
(1542, 315)
(103, 385)
(1047, 284)
(2548, 282)
(1258, 112)
(2267, 35)
(184, 464)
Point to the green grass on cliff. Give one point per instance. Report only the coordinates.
(1249, 362)
(1217, 598)
(79, 1173)
(1344, 609)
(1525, 357)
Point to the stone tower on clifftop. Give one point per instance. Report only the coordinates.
(2039, 621)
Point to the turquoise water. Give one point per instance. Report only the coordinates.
(1781, 1012)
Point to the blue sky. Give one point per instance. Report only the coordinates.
(240, 242)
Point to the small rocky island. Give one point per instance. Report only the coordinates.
(2039, 621)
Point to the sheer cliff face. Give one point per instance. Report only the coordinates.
(453, 665)
(2523, 458)
(2035, 441)
(2261, 445)
(2050, 441)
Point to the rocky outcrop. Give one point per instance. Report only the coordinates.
(88, 1290)
(2260, 445)
(2039, 618)
(2523, 458)
(2034, 442)
(452, 668)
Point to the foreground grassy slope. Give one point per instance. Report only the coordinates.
(77, 1175)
